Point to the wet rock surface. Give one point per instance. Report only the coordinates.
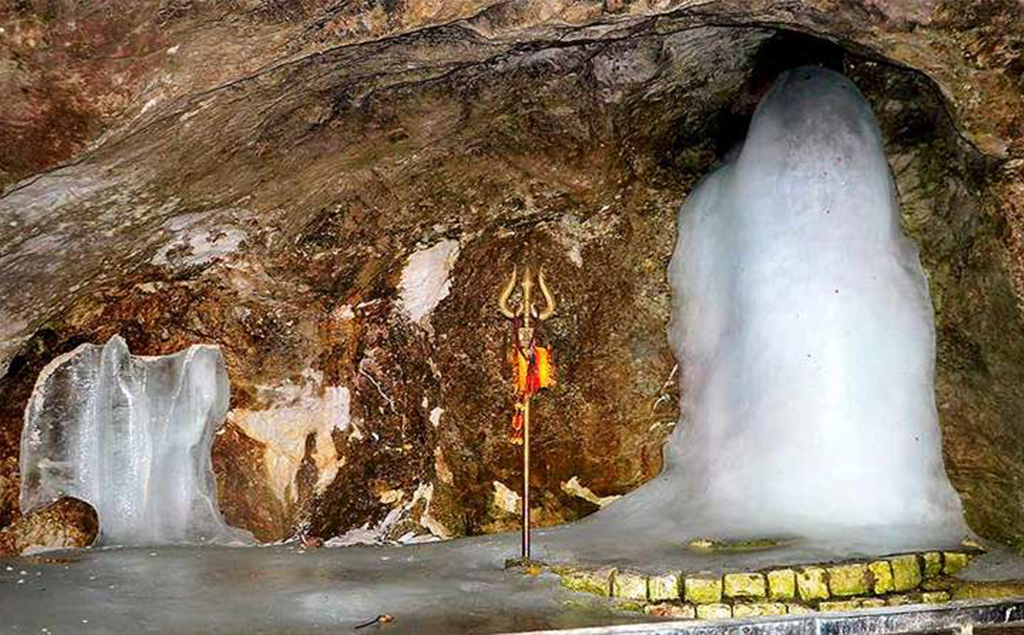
(260, 178)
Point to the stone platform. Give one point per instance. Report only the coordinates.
(901, 579)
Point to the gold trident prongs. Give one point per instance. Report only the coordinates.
(524, 334)
(506, 293)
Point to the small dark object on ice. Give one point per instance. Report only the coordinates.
(380, 619)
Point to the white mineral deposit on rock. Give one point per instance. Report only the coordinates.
(130, 435)
(425, 278)
(299, 409)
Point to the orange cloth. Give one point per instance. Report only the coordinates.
(545, 369)
(527, 379)
(515, 435)
(522, 371)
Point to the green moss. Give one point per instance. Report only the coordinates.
(839, 605)
(988, 590)
(932, 564)
(524, 563)
(941, 583)
(782, 584)
(703, 590)
(872, 603)
(755, 609)
(849, 579)
(899, 600)
(629, 585)
(710, 544)
(597, 582)
(744, 585)
(664, 587)
(934, 597)
(713, 611)
(881, 573)
(630, 606)
(955, 562)
(703, 544)
(811, 584)
(906, 572)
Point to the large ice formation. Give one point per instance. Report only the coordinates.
(131, 435)
(804, 327)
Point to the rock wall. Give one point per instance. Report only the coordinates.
(261, 178)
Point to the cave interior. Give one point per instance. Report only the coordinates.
(335, 199)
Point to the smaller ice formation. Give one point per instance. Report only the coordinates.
(131, 435)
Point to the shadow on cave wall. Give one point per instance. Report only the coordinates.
(576, 156)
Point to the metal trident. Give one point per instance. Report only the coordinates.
(525, 338)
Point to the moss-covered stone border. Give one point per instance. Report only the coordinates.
(913, 578)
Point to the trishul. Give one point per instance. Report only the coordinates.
(506, 293)
(524, 336)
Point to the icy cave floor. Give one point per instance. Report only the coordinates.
(449, 587)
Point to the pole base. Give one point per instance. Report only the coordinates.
(523, 563)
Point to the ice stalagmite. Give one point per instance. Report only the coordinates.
(131, 435)
(803, 325)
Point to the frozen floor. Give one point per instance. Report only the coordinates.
(445, 587)
(455, 587)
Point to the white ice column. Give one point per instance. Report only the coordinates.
(805, 330)
(131, 435)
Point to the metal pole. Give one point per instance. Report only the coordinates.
(527, 311)
(526, 479)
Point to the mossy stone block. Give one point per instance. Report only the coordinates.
(755, 609)
(836, 606)
(782, 584)
(955, 562)
(668, 609)
(881, 573)
(934, 597)
(849, 579)
(932, 563)
(713, 611)
(704, 590)
(744, 585)
(872, 603)
(632, 606)
(811, 584)
(629, 585)
(906, 573)
(798, 609)
(598, 582)
(664, 587)
(899, 600)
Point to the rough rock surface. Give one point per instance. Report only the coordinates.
(66, 522)
(258, 175)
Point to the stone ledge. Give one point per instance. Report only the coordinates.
(898, 580)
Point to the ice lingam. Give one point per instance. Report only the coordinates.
(803, 326)
(130, 435)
